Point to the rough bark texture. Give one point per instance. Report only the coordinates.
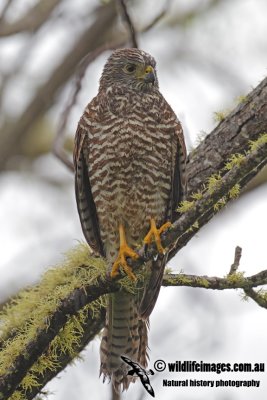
(69, 306)
(91, 328)
(246, 122)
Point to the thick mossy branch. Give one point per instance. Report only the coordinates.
(47, 325)
(52, 309)
(77, 333)
(231, 136)
(82, 323)
(223, 189)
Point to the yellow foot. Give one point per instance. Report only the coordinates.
(154, 232)
(125, 251)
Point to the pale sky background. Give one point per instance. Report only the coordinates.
(202, 68)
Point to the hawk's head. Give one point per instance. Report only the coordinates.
(132, 68)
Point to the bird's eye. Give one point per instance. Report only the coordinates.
(130, 68)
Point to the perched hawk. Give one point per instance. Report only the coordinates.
(129, 175)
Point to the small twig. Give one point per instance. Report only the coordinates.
(260, 299)
(59, 151)
(158, 17)
(45, 95)
(235, 265)
(129, 23)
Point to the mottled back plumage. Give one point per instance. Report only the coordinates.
(129, 161)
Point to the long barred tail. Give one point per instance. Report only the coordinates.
(124, 334)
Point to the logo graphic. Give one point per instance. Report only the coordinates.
(139, 371)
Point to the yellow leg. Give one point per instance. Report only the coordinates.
(125, 251)
(154, 232)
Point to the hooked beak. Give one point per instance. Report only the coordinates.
(149, 75)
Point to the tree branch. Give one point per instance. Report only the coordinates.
(34, 348)
(93, 324)
(234, 281)
(259, 297)
(89, 325)
(5, 9)
(128, 21)
(158, 17)
(235, 265)
(32, 21)
(201, 211)
(246, 122)
(93, 37)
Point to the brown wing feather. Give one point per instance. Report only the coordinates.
(178, 189)
(179, 175)
(84, 199)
